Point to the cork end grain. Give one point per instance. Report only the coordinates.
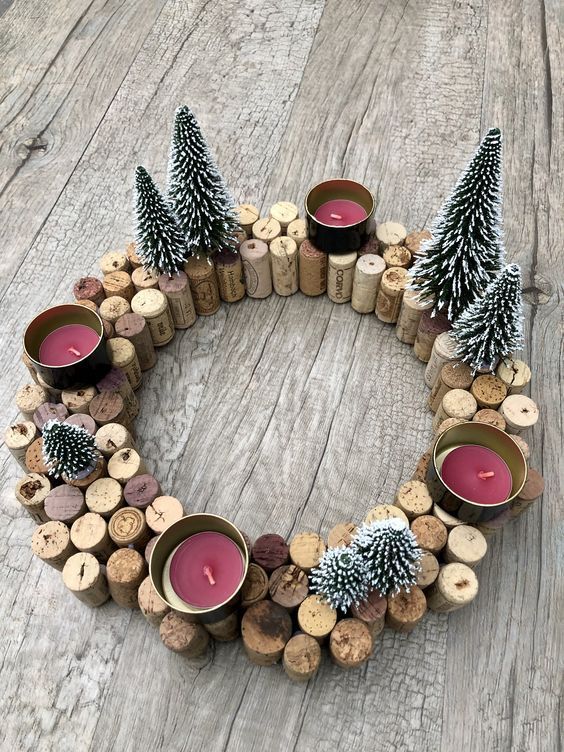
(266, 627)
(350, 643)
(302, 657)
(430, 532)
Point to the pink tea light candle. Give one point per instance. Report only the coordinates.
(67, 345)
(477, 473)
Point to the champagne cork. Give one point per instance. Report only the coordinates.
(230, 275)
(128, 528)
(266, 230)
(29, 398)
(111, 438)
(18, 437)
(28, 363)
(91, 474)
(430, 326)
(284, 263)
(406, 609)
(125, 464)
(288, 586)
(270, 552)
(490, 418)
(266, 627)
(448, 423)
(428, 570)
(34, 460)
(340, 275)
(397, 255)
(183, 636)
(248, 215)
(413, 498)
(87, 304)
(31, 491)
(390, 294)
(366, 282)
(420, 472)
(385, 512)
(90, 534)
(83, 576)
(519, 413)
(297, 230)
(372, 612)
(316, 617)
(256, 266)
(133, 327)
(120, 284)
(65, 504)
(284, 212)
(390, 233)
(409, 317)
(51, 543)
(152, 606)
(452, 376)
(177, 291)
(350, 644)
(116, 382)
(455, 587)
(153, 306)
(108, 407)
(430, 532)
(448, 520)
(226, 629)
(132, 256)
(149, 548)
(312, 270)
(162, 512)
(306, 550)
(89, 288)
(489, 391)
(126, 569)
(77, 400)
(466, 545)
(255, 586)
(414, 242)
(49, 411)
(104, 497)
(141, 490)
(114, 308)
(515, 374)
(301, 658)
(145, 279)
(444, 351)
(203, 284)
(457, 403)
(121, 353)
(341, 534)
(114, 261)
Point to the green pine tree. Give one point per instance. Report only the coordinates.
(68, 449)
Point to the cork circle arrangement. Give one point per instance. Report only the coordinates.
(103, 519)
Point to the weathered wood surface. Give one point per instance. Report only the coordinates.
(295, 413)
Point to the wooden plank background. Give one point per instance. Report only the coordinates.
(286, 414)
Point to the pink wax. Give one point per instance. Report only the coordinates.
(206, 569)
(477, 474)
(340, 212)
(67, 344)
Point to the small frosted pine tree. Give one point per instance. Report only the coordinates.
(68, 449)
(196, 190)
(465, 251)
(341, 577)
(492, 327)
(391, 554)
(160, 242)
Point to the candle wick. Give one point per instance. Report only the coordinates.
(209, 574)
(483, 474)
(336, 216)
(74, 351)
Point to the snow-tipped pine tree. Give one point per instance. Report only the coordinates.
(197, 192)
(341, 577)
(391, 554)
(68, 450)
(160, 242)
(492, 327)
(465, 251)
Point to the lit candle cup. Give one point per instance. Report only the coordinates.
(198, 566)
(339, 215)
(476, 471)
(67, 347)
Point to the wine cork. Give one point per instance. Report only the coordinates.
(452, 376)
(519, 413)
(131, 253)
(266, 230)
(87, 304)
(284, 264)
(108, 407)
(90, 534)
(203, 284)
(31, 491)
(490, 418)
(113, 437)
(133, 327)
(162, 512)
(457, 403)
(514, 373)
(306, 550)
(89, 288)
(149, 548)
(145, 279)
(177, 291)
(28, 363)
(125, 464)
(371, 246)
(116, 382)
(239, 235)
(65, 504)
(29, 398)
(350, 644)
(466, 545)
(448, 520)
(428, 570)
(372, 612)
(489, 391)
(297, 230)
(256, 266)
(128, 527)
(153, 306)
(270, 551)
(225, 630)
(414, 242)
(284, 212)
(316, 617)
(230, 275)
(248, 215)
(18, 437)
(141, 490)
(390, 294)
(301, 658)
(114, 261)
(181, 635)
(420, 472)
(430, 326)
(53, 393)
(255, 586)
(288, 586)
(449, 423)
(455, 587)
(77, 400)
(390, 233)
(531, 492)
(406, 609)
(340, 275)
(341, 534)
(494, 525)
(430, 532)
(89, 476)
(83, 576)
(126, 569)
(397, 255)
(523, 446)
(120, 284)
(104, 497)
(49, 411)
(121, 353)
(152, 606)
(444, 351)
(51, 543)
(266, 627)
(312, 270)
(385, 512)
(114, 308)
(109, 330)
(34, 460)
(366, 282)
(413, 498)
(409, 317)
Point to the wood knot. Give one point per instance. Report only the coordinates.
(539, 292)
(37, 145)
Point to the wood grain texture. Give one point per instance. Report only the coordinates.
(316, 413)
